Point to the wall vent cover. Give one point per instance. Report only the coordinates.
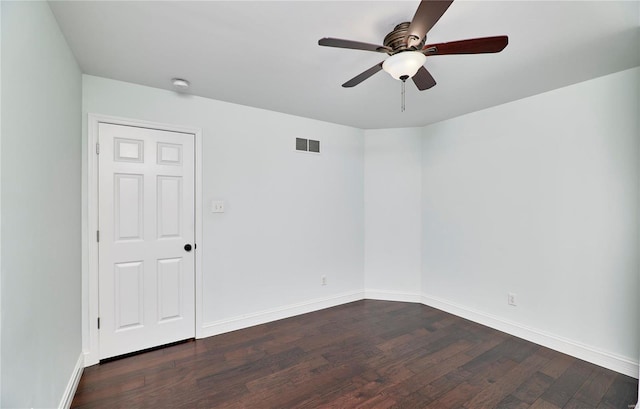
(307, 145)
(301, 144)
(314, 146)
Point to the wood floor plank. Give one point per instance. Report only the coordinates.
(491, 395)
(563, 389)
(531, 389)
(511, 402)
(575, 404)
(101, 394)
(596, 386)
(367, 354)
(543, 404)
(455, 397)
(622, 392)
(443, 385)
(557, 366)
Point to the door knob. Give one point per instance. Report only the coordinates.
(187, 247)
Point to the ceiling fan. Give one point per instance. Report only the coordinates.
(407, 50)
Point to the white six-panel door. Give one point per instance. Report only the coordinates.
(146, 218)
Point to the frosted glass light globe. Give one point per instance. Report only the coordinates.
(405, 63)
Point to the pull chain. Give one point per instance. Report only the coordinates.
(404, 80)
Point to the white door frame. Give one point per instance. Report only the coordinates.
(90, 290)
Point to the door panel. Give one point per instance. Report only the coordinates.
(129, 209)
(146, 216)
(129, 283)
(169, 206)
(169, 272)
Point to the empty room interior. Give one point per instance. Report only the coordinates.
(308, 204)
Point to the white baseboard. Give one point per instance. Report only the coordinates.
(72, 386)
(373, 294)
(91, 358)
(274, 314)
(621, 364)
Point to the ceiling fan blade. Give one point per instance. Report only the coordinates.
(362, 76)
(423, 79)
(471, 46)
(427, 15)
(354, 45)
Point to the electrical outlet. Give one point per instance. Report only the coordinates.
(323, 280)
(511, 299)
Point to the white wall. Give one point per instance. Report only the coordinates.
(41, 139)
(0, 205)
(539, 197)
(393, 227)
(290, 217)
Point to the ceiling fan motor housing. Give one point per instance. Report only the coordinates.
(396, 39)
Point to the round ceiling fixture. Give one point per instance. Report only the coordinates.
(404, 65)
(180, 84)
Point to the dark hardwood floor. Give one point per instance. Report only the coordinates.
(366, 354)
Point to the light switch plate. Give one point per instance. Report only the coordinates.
(217, 206)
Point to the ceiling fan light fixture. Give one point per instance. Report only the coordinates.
(404, 65)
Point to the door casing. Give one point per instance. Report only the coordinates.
(90, 288)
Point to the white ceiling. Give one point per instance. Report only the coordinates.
(265, 54)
